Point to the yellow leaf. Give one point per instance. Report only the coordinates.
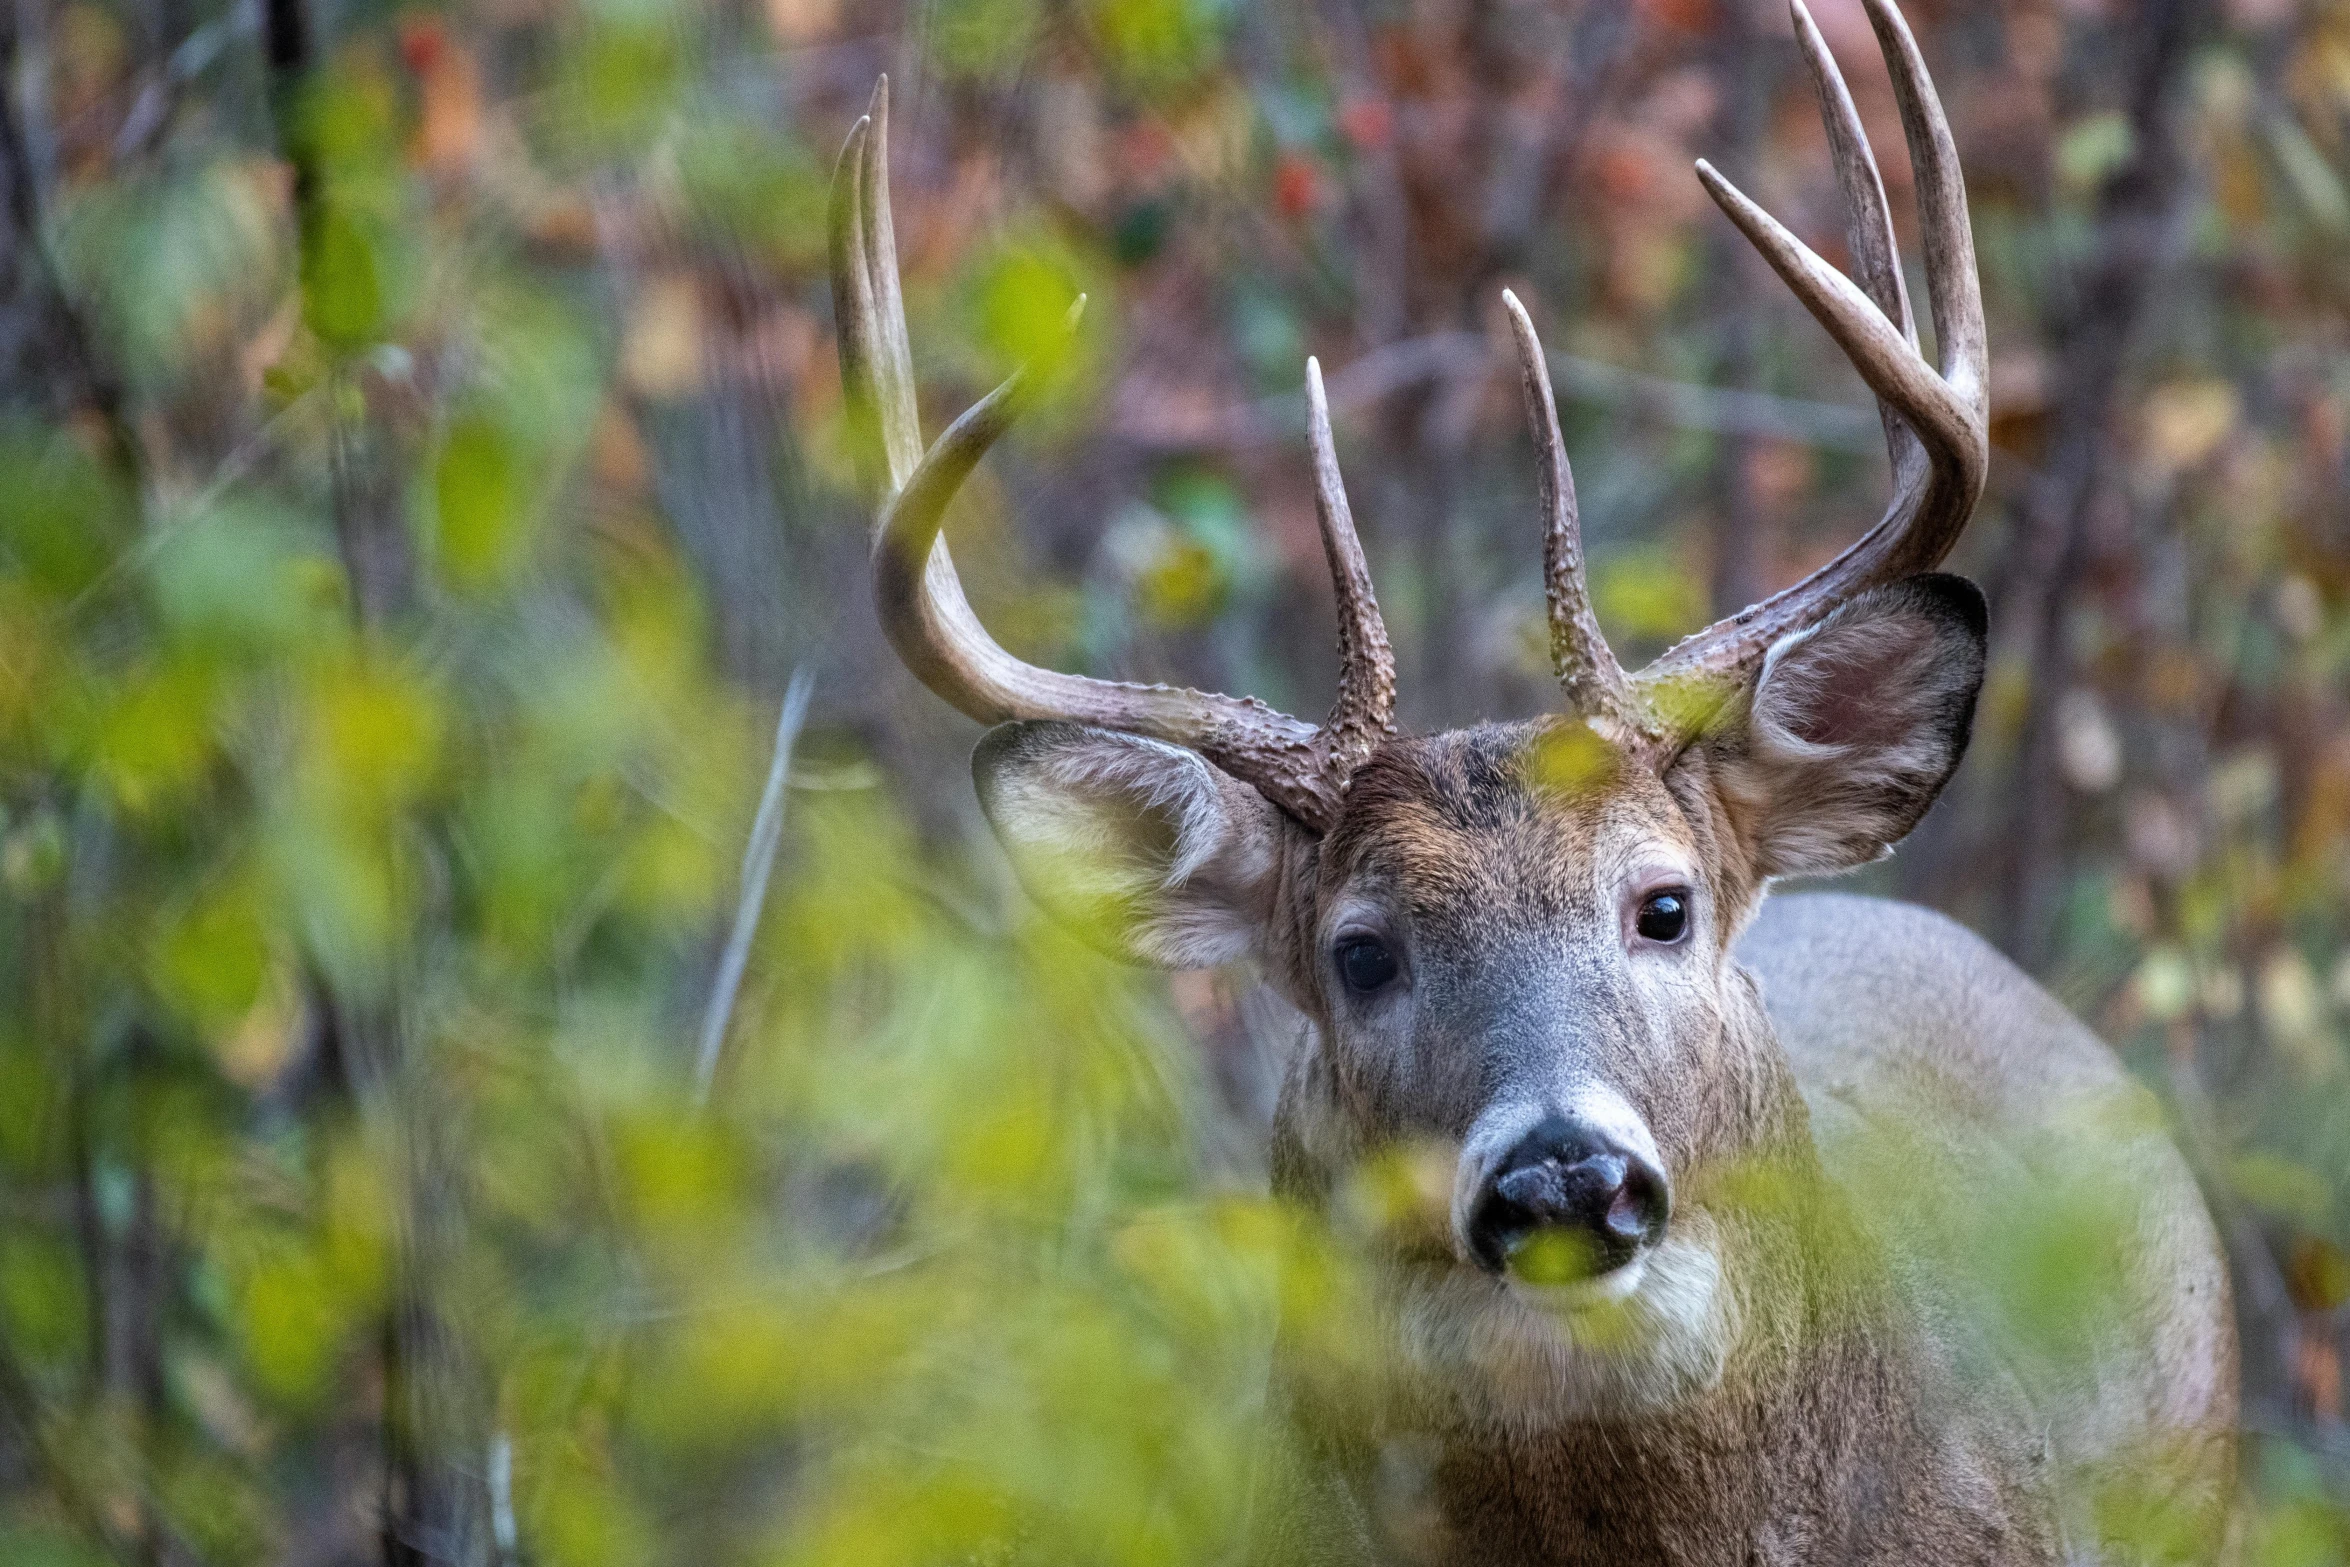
(2184, 422)
(661, 354)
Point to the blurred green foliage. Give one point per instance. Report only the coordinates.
(421, 462)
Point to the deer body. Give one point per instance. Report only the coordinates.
(1841, 1245)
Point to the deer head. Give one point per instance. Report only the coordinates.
(1513, 942)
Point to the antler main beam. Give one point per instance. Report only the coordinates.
(1301, 767)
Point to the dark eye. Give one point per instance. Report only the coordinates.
(1663, 915)
(1365, 962)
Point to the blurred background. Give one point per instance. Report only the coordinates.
(421, 471)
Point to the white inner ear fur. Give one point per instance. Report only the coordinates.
(1146, 849)
(1851, 730)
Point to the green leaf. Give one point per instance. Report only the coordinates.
(482, 516)
(343, 297)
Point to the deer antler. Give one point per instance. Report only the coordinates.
(1936, 420)
(1586, 666)
(1301, 767)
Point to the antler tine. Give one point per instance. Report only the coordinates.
(1953, 291)
(1877, 348)
(1947, 411)
(877, 362)
(1869, 226)
(1586, 666)
(1299, 767)
(1876, 259)
(1364, 711)
(853, 304)
(893, 354)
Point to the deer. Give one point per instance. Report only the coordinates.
(1711, 1178)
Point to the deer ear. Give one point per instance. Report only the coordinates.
(1146, 850)
(1852, 727)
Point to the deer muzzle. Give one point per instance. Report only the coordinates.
(1571, 1200)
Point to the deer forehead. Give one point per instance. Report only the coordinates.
(1478, 827)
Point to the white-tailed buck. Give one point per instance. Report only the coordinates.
(1814, 1233)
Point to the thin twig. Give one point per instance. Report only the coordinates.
(170, 521)
(758, 862)
(1445, 356)
(1723, 409)
(502, 1529)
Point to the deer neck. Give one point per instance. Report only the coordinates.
(1825, 1437)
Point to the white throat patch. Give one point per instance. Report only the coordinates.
(1653, 1334)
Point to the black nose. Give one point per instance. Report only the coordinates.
(1568, 1202)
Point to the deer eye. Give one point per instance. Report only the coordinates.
(1365, 963)
(1663, 916)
